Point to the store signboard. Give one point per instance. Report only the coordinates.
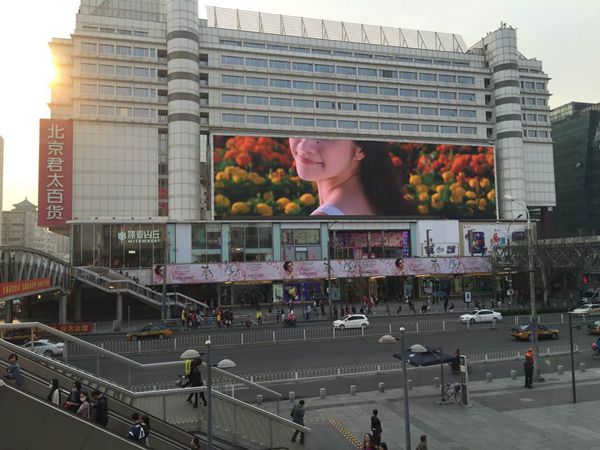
(24, 287)
(298, 270)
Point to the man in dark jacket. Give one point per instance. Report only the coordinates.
(101, 408)
(528, 368)
(195, 380)
(298, 417)
(376, 428)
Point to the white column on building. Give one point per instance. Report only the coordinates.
(184, 110)
(501, 53)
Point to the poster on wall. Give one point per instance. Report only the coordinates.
(226, 272)
(264, 176)
(483, 239)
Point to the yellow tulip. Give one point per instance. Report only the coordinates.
(423, 196)
(263, 209)
(414, 180)
(291, 208)
(422, 188)
(491, 196)
(470, 194)
(307, 199)
(423, 209)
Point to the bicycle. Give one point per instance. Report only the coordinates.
(452, 391)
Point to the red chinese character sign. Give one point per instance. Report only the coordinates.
(55, 183)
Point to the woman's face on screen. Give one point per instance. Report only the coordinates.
(322, 159)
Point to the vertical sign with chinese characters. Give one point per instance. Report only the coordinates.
(55, 181)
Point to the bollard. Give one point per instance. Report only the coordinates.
(513, 374)
(352, 389)
(436, 382)
(582, 367)
(488, 377)
(560, 369)
(322, 393)
(259, 399)
(409, 382)
(292, 396)
(381, 387)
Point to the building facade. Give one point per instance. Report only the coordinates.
(155, 94)
(576, 134)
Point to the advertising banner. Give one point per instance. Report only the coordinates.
(298, 270)
(86, 327)
(483, 239)
(55, 182)
(16, 288)
(268, 176)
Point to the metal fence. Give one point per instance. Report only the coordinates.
(296, 334)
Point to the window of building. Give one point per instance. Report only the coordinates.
(541, 102)
(386, 73)
(388, 91)
(300, 49)
(277, 47)
(408, 75)
(542, 118)
(327, 87)
(88, 47)
(466, 96)
(532, 133)
(342, 53)
(279, 65)
(301, 244)
(369, 125)
(445, 78)
(389, 109)
(530, 101)
(366, 72)
(408, 92)
(206, 242)
(351, 88)
(302, 67)
(257, 100)
(279, 83)
(88, 89)
(306, 85)
(232, 79)
(89, 110)
(409, 110)
(372, 90)
(140, 92)
(251, 243)
(429, 111)
(540, 86)
(448, 112)
(324, 68)
(466, 80)
(302, 103)
(231, 42)
(429, 128)
(254, 44)
(124, 71)
(106, 69)
(345, 70)
(428, 94)
(348, 124)
(543, 133)
(471, 113)
(468, 130)
(106, 89)
(446, 95)
(346, 106)
(232, 60)
(123, 111)
(123, 50)
(325, 104)
(107, 49)
(233, 118)
(88, 68)
(389, 126)
(256, 62)
(281, 120)
(529, 85)
(140, 52)
(281, 102)
(531, 117)
(447, 129)
(257, 82)
(325, 123)
(411, 127)
(427, 76)
(368, 107)
(106, 110)
(257, 120)
(232, 99)
(304, 122)
(140, 72)
(124, 91)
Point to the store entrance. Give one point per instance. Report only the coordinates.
(302, 292)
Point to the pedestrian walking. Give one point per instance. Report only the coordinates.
(101, 408)
(136, 432)
(195, 380)
(399, 310)
(411, 307)
(259, 317)
(376, 428)
(85, 408)
(528, 368)
(54, 395)
(445, 303)
(422, 443)
(368, 442)
(298, 417)
(13, 370)
(183, 318)
(335, 312)
(387, 310)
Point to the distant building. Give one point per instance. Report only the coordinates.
(576, 134)
(19, 228)
(1, 175)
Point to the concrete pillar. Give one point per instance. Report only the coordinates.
(488, 377)
(8, 311)
(436, 382)
(513, 374)
(77, 304)
(582, 367)
(352, 389)
(322, 393)
(119, 317)
(292, 396)
(62, 309)
(560, 369)
(381, 387)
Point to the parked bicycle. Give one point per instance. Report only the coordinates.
(452, 391)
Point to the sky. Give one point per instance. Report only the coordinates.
(564, 35)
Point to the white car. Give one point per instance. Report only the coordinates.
(480, 316)
(587, 309)
(45, 347)
(352, 321)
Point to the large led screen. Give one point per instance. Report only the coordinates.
(264, 176)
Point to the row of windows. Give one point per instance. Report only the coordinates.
(120, 71)
(535, 117)
(233, 99)
(112, 111)
(533, 85)
(536, 133)
(296, 66)
(345, 88)
(345, 54)
(533, 101)
(116, 30)
(254, 119)
(120, 91)
(122, 50)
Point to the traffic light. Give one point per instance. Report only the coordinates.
(586, 279)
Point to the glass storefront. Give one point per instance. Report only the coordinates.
(370, 244)
(301, 244)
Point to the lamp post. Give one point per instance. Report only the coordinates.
(163, 306)
(570, 314)
(329, 227)
(531, 270)
(405, 373)
(510, 285)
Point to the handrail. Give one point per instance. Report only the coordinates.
(188, 298)
(247, 382)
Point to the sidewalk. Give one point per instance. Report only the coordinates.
(503, 415)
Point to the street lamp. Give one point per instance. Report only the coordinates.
(531, 270)
(224, 364)
(329, 227)
(510, 297)
(570, 315)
